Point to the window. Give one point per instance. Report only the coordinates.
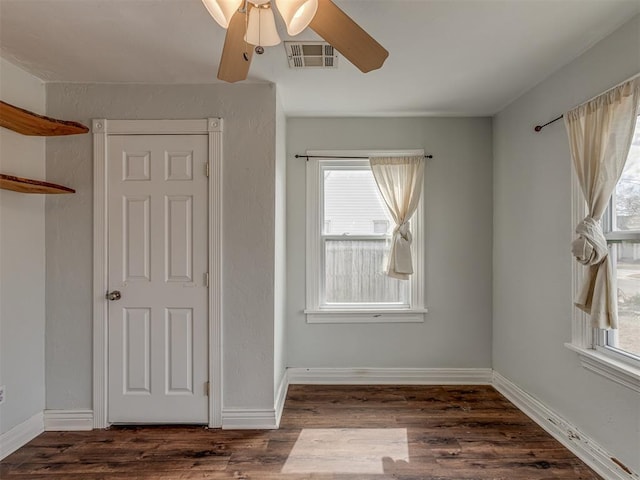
(613, 354)
(348, 237)
(621, 225)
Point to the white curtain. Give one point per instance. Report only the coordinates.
(400, 182)
(600, 134)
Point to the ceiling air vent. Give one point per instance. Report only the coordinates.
(311, 55)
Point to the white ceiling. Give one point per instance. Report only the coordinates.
(447, 57)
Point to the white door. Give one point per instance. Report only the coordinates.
(158, 325)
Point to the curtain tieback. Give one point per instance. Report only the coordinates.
(402, 232)
(590, 248)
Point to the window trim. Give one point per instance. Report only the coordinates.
(317, 313)
(619, 368)
(605, 365)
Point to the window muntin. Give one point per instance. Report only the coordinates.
(622, 230)
(338, 244)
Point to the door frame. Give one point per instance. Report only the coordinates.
(101, 130)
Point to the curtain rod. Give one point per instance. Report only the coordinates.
(307, 157)
(540, 127)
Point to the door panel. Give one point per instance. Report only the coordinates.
(158, 260)
(179, 374)
(178, 241)
(136, 337)
(136, 238)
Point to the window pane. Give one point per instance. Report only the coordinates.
(352, 204)
(354, 273)
(627, 194)
(627, 260)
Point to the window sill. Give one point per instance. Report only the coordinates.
(366, 316)
(608, 367)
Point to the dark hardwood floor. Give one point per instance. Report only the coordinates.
(327, 432)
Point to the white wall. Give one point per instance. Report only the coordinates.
(280, 277)
(248, 230)
(458, 214)
(532, 255)
(22, 258)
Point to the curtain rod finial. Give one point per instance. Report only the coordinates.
(540, 127)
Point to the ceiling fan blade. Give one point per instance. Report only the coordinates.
(346, 36)
(236, 53)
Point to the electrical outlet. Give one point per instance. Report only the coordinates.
(2, 394)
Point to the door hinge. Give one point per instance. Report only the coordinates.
(206, 169)
(206, 279)
(206, 388)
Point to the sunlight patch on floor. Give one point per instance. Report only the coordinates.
(346, 450)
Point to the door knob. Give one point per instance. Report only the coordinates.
(115, 295)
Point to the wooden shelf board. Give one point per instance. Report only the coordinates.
(27, 185)
(29, 123)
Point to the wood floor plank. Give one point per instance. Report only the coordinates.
(327, 433)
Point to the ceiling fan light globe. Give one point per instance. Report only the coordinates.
(261, 28)
(297, 14)
(222, 10)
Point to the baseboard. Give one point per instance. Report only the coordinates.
(68, 420)
(249, 419)
(562, 430)
(281, 396)
(21, 434)
(390, 376)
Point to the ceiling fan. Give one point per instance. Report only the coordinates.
(251, 26)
